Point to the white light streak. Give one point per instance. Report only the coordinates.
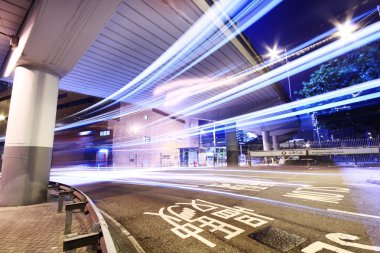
(192, 38)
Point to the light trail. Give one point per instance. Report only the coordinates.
(262, 6)
(191, 39)
(160, 100)
(83, 177)
(328, 52)
(256, 15)
(243, 25)
(293, 52)
(314, 109)
(362, 37)
(311, 43)
(156, 174)
(268, 78)
(266, 115)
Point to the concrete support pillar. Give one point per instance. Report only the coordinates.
(29, 138)
(266, 142)
(275, 144)
(232, 147)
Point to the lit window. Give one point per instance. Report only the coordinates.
(105, 133)
(84, 133)
(146, 117)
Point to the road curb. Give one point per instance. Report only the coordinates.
(125, 232)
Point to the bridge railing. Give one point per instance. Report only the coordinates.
(99, 239)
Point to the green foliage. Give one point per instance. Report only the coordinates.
(352, 68)
(243, 136)
(355, 67)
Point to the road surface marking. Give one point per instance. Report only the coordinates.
(358, 214)
(321, 194)
(239, 187)
(182, 217)
(347, 240)
(339, 238)
(317, 246)
(328, 198)
(329, 189)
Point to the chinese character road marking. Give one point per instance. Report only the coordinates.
(338, 238)
(182, 217)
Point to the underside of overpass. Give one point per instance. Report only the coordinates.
(149, 54)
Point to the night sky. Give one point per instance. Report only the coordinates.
(294, 22)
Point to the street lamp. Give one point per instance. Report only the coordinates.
(345, 30)
(274, 53)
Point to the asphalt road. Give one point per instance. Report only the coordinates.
(239, 210)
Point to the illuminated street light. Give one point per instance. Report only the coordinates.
(2, 117)
(345, 30)
(274, 53)
(135, 129)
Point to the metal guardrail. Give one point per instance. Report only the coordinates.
(99, 239)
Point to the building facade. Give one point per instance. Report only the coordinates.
(145, 139)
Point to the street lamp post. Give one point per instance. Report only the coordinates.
(287, 71)
(274, 54)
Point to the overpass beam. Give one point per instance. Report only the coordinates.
(29, 137)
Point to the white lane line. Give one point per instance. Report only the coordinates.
(358, 214)
(125, 232)
(308, 182)
(265, 177)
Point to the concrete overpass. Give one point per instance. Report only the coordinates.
(96, 48)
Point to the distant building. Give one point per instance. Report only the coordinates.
(136, 144)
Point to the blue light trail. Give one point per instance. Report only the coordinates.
(185, 45)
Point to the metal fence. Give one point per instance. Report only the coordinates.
(369, 142)
(337, 143)
(350, 160)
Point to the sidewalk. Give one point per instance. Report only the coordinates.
(36, 228)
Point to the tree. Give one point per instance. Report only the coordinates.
(355, 67)
(244, 137)
(352, 68)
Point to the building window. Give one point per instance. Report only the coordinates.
(105, 133)
(146, 138)
(165, 157)
(84, 133)
(146, 117)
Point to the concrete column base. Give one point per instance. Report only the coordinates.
(232, 158)
(232, 148)
(26, 178)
